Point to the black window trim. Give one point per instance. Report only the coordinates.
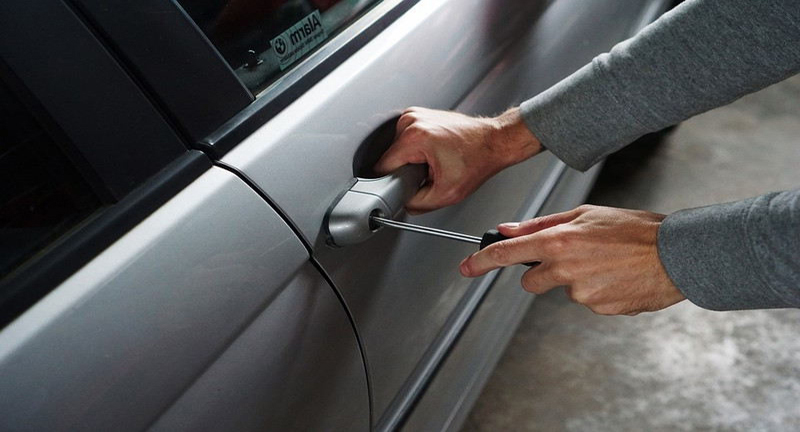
(105, 118)
(58, 261)
(129, 153)
(171, 59)
(303, 76)
(215, 89)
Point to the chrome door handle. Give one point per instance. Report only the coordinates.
(347, 222)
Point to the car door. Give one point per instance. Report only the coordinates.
(301, 111)
(403, 289)
(140, 286)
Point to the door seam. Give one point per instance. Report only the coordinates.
(313, 261)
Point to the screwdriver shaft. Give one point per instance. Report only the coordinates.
(426, 230)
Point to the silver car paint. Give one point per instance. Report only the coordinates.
(425, 58)
(118, 342)
(451, 394)
(459, 381)
(209, 309)
(296, 367)
(394, 283)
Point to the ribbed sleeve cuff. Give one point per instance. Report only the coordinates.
(707, 253)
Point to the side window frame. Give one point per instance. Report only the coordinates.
(172, 60)
(216, 87)
(109, 129)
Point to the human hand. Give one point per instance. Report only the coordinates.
(607, 258)
(462, 152)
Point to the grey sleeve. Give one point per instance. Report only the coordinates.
(701, 55)
(740, 255)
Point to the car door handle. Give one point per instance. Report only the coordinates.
(348, 220)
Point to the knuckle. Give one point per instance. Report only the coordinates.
(528, 282)
(554, 245)
(571, 295)
(467, 267)
(416, 132)
(561, 240)
(414, 129)
(408, 116)
(538, 222)
(499, 253)
(532, 286)
(563, 274)
(606, 309)
(451, 196)
(580, 297)
(567, 237)
(528, 286)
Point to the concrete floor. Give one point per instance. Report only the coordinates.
(683, 368)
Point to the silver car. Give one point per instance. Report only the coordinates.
(184, 234)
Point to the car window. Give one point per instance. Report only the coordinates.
(43, 194)
(262, 39)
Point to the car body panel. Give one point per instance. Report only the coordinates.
(397, 284)
(226, 309)
(458, 383)
(326, 127)
(114, 345)
(402, 66)
(460, 378)
(296, 367)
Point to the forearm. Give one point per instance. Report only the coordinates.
(741, 255)
(701, 55)
(511, 140)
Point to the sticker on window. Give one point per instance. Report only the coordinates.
(298, 39)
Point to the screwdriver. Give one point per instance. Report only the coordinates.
(489, 237)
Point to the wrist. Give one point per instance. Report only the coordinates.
(511, 140)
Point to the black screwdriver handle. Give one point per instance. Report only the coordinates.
(494, 236)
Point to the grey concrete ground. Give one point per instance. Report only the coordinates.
(683, 368)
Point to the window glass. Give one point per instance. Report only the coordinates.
(262, 38)
(42, 194)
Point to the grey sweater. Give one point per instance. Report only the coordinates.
(701, 55)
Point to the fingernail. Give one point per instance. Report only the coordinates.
(509, 224)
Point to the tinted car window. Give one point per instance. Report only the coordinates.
(43, 195)
(261, 39)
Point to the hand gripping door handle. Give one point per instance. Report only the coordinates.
(348, 220)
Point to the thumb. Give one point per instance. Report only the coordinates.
(530, 226)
